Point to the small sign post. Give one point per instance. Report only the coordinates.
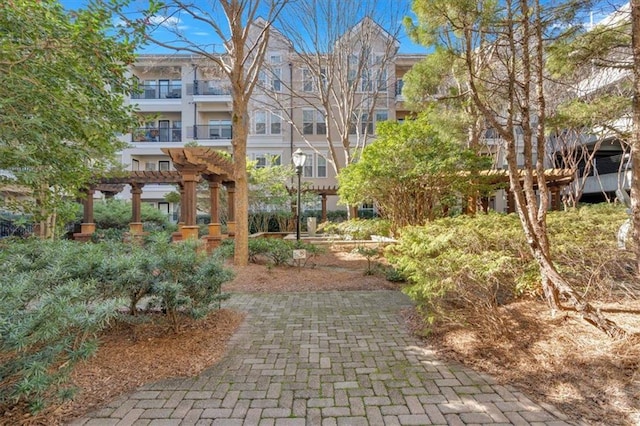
(299, 255)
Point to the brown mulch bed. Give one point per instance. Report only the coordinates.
(563, 361)
(560, 360)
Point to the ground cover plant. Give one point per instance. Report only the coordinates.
(482, 261)
(480, 302)
(357, 229)
(275, 251)
(57, 296)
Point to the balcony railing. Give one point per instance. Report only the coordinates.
(154, 91)
(219, 131)
(209, 88)
(156, 135)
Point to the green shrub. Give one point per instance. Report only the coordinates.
(51, 310)
(117, 214)
(483, 261)
(186, 280)
(277, 251)
(55, 296)
(358, 229)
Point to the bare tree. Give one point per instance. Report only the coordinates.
(244, 35)
(344, 81)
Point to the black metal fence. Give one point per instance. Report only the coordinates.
(9, 228)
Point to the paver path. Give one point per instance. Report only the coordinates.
(326, 358)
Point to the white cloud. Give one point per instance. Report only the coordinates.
(201, 33)
(165, 21)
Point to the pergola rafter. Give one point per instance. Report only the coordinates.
(193, 165)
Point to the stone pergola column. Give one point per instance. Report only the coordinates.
(188, 204)
(231, 209)
(556, 198)
(135, 227)
(214, 194)
(181, 218)
(88, 226)
(324, 207)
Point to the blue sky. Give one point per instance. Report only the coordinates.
(200, 33)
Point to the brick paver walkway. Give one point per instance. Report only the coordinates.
(326, 358)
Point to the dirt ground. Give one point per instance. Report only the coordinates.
(559, 360)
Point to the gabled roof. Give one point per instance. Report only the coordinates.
(364, 24)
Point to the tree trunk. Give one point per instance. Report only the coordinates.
(240, 133)
(635, 137)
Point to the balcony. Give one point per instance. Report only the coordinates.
(156, 135)
(217, 131)
(210, 91)
(162, 91)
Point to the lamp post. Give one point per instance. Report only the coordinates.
(299, 159)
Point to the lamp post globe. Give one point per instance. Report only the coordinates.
(299, 159)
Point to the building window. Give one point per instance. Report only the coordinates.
(307, 168)
(366, 124)
(262, 79)
(381, 116)
(382, 80)
(321, 123)
(135, 165)
(276, 83)
(307, 80)
(266, 160)
(308, 121)
(261, 162)
(276, 124)
(163, 166)
(219, 129)
(163, 207)
(313, 120)
(367, 84)
(265, 122)
(150, 166)
(351, 77)
(260, 119)
(321, 170)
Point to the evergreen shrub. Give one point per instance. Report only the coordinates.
(483, 261)
(357, 229)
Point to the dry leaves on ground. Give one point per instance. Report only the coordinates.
(563, 361)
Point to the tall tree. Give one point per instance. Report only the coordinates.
(342, 53)
(244, 35)
(62, 80)
(502, 46)
(413, 172)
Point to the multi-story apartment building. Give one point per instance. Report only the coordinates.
(185, 99)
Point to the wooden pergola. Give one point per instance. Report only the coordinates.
(192, 164)
(323, 192)
(556, 180)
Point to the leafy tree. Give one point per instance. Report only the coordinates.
(269, 197)
(61, 83)
(411, 172)
(244, 36)
(502, 47)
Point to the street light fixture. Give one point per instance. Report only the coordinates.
(299, 159)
